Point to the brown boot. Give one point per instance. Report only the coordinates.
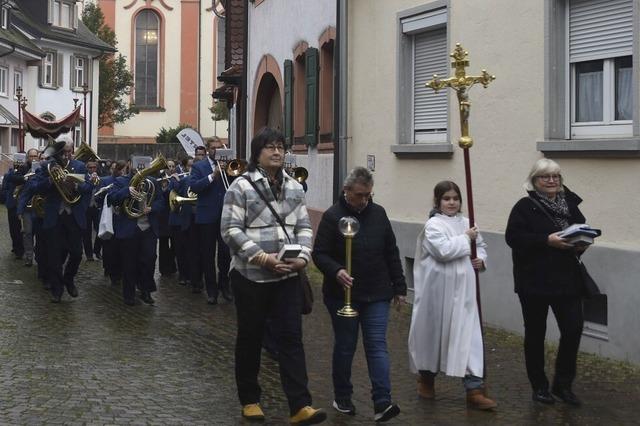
(478, 400)
(426, 388)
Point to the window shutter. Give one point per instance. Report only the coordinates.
(600, 29)
(430, 57)
(288, 102)
(88, 72)
(72, 72)
(74, 20)
(50, 12)
(311, 82)
(40, 75)
(59, 67)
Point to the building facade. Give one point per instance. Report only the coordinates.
(290, 84)
(175, 51)
(50, 58)
(566, 88)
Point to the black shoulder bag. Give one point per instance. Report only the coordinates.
(307, 292)
(589, 287)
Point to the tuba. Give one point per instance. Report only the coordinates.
(135, 205)
(65, 182)
(84, 153)
(36, 204)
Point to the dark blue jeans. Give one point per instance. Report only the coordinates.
(373, 318)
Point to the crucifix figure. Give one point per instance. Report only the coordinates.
(461, 83)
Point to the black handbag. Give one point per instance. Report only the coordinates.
(589, 287)
(305, 285)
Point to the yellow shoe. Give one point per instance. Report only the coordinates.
(308, 416)
(252, 412)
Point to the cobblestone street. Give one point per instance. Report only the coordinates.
(94, 360)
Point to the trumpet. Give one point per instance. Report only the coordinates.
(175, 200)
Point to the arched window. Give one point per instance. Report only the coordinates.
(146, 58)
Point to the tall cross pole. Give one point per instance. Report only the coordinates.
(461, 83)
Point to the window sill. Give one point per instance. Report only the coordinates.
(149, 108)
(424, 150)
(49, 87)
(628, 147)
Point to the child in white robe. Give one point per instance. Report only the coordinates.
(445, 332)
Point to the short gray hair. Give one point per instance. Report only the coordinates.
(540, 167)
(358, 175)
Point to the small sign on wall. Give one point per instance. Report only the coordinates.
(371, 162)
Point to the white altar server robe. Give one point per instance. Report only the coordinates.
(445, 332)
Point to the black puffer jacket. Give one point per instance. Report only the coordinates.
(375, 262)
(539, 269)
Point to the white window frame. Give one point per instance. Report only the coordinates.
(4, 82)
(17, 82)
(48, 64)
(79, 72)
(609, 126)
(77, 135)
(63, 18)
(5, 18)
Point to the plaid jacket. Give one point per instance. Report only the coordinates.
(249, 227)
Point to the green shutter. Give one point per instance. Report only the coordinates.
(311, 82)
(288, 102)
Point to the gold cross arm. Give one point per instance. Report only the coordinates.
(460, 81)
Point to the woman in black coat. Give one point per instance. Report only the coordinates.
(547, 275)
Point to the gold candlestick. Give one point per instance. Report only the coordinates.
(349, 227)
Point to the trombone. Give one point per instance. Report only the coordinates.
(232, 168)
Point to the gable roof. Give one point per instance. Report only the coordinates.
(81, 37)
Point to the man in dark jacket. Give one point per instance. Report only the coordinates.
(376, 278)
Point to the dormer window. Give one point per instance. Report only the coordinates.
(63, 13)
(4, 20)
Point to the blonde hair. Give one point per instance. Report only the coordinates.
(541, 167)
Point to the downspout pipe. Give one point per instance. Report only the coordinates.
(340, 100)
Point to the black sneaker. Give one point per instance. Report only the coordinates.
(385, 411)
(344, 406)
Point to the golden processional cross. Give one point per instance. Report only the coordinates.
(461, 83)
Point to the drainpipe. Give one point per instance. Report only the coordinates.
(340, 101)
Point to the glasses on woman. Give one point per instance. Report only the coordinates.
(549, 178)
(272, 147)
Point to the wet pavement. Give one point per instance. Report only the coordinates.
(93, 360)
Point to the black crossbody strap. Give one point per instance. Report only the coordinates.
(275, 214)
(546, 213)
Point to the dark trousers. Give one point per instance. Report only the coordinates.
(282, 302)
(180, 239)
(166, 255)
(111, 258)
(569, 316)
(40, 249)
(64, 239)
(138, 260)
(15, 231)
(93, 220)
(205, 238)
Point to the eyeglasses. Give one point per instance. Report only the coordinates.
(272, 147)
(548, 178)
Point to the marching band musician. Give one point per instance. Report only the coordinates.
(13, 178)
(137, 239)
(206, 181)
(63, 221)
(25, 217)
(93, 217)
(166, 244)
(110, 253)
(179, 224)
